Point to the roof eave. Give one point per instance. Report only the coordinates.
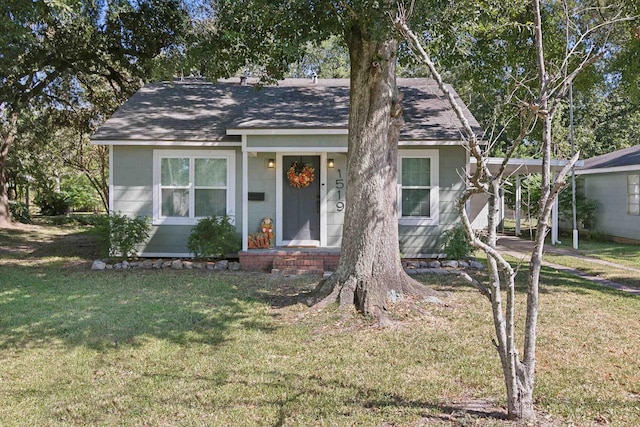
(167, 143)
(614, 169)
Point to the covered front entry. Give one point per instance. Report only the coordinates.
(301, 203)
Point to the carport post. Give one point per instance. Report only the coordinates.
(518, 203)
(554, 221)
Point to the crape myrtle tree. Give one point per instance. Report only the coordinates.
(566, 38)
(48, 47)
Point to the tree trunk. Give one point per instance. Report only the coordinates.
(370, 264)
(7, 137)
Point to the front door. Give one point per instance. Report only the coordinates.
(301, 206)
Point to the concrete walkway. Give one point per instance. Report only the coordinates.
(521, 249)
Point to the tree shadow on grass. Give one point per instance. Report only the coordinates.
(551, 281)
(33, 242)
(103, 310)
(292, 390)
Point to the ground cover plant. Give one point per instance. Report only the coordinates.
(80, 347)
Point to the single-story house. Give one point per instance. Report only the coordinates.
(183, 150)
(613, 180)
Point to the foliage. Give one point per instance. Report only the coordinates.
(329, 59)
(119, 234)
(456, 243)
(214, 237)
(81, 194)
(19, 211)
(52, 203)
(531, 190)
(530, 186)
(70, 63)
(74, 219)
(586, 209)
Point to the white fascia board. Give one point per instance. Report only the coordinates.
(297, 149)
(168, 143)
(628, 168)
(429, 143)
(554, 163)
(289, 131)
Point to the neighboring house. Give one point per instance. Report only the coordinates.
(183, 150)
(613, 180)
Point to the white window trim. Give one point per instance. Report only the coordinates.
(629, 194)
(158, 155)
(434, 207)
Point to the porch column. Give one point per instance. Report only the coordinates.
(554, 220)
(501, 223)
(518, 204)
(245, 200)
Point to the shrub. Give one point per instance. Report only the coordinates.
(456, 243)
(52, 203)
(81, 195)
(214, 237)
(19, 211)
(119, 234)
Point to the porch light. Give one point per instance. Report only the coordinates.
(271, 163)
(330, 163)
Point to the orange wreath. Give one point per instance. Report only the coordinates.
(300, 176)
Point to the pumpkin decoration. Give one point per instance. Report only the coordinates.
(300, 176)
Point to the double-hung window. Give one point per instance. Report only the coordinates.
(189, 185)
(633, 194)
(418, 198)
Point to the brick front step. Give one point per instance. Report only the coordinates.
(297, 272)
(297, 264)
(316, 261)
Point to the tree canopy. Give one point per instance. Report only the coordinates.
(77, 54)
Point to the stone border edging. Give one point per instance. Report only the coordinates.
(160, 264)
(411, 267)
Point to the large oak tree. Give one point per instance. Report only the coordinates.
(53, 51)
(274, 34)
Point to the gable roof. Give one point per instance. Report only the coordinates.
(195, 110)
(619, 160)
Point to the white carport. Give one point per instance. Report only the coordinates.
(517, 168)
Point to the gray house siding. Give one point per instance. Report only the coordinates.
(132, 180)
(427, 240)
(261, 180)
(132, 195)
(336, 192)
(610, 190)
(293, 142)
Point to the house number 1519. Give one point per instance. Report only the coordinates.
(339, 189)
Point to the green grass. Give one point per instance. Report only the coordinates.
(81, 347)
(620, 275)
(619, 253)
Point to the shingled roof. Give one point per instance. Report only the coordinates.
(194, 110)
(625, 157)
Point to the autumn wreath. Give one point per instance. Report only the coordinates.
(300, 176)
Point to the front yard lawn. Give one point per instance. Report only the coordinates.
(618, 253)
(82, 347)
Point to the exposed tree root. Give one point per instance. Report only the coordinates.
(347, 292)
